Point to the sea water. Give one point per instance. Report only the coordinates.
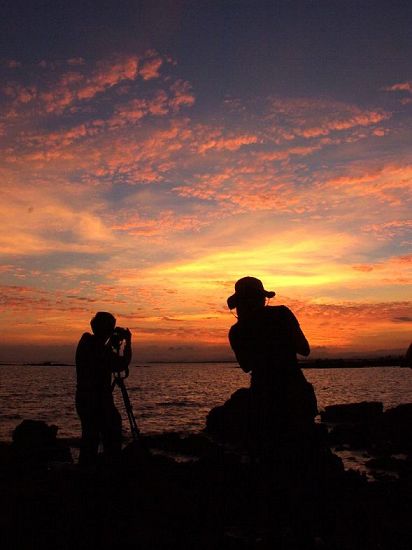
(177, 397)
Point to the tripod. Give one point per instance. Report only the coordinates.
(118, 380)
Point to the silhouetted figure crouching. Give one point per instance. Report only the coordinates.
(265, 340)
(96, 360)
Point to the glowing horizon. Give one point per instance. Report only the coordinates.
(129, 185)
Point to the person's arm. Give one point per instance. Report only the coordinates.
(120, 363)
(300, 343)
(242, 353)
(127, 352)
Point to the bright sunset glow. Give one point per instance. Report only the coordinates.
(144, 173)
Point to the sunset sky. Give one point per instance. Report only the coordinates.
(153, 152)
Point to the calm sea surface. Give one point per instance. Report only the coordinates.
(177, 397)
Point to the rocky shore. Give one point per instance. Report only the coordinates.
(204, 491)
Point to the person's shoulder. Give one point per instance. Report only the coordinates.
(276, 310)
(280, 313)
(86, 338)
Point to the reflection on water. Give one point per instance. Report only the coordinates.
(177, 397)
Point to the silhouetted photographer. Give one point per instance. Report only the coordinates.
(98, 356)
(265, 340)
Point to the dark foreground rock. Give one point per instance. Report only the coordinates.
(218, 498)
(366, 426)
(35, 445)
(217, 502)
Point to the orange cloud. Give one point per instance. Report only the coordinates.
(407, 259)
(363, 268)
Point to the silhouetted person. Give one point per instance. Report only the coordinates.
(265, 340)
(96, 360)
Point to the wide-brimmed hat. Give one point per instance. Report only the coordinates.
(246, 288)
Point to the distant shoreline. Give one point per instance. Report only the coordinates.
(326, 363)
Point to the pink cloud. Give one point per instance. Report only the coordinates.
(181, 95)
(76, 61)
(12, 64)
(20, 94)
(165, 223)
(253, 182)
(150, 68)
(136, 109)
(75, 86)
(389, 184)
(230, 144)
(108, 74)
(313, 118)
(83, 83)
(252, 188)
(400, 87)
(390, 228)
(253, 169)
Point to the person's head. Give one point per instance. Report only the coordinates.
(103, 324)
(249, 295)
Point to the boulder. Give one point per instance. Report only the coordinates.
(229, 422)
(397, 426)
(364, 412)
(35, 444)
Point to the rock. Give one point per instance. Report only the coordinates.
(356, 435)
(294, 450)
(366, 426)
(390, 464)
(364, 412)
(189, 445)
(35, 444)
(397, 427)
(229, 421)
(34, 433)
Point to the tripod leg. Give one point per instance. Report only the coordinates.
(132, 420)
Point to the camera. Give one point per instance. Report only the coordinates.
(119, 334)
